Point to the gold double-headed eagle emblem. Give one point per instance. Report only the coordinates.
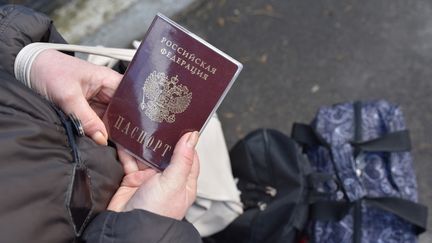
(163, 97)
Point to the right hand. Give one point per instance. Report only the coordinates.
(169, 193)
(77, 87)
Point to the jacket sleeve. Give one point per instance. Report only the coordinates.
(20, 26)
(139, 226)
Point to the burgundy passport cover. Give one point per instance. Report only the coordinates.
(172, 86)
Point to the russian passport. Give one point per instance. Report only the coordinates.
(173, 85)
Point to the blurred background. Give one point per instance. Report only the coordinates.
(298, 55)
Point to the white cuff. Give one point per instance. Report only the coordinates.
(27, 55)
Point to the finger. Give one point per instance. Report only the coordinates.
(92, 124)
(193, 176)
(128, 161)
(110, 80)
(98, 107)
(142, 166)
(137, 178)
(192, 182)
(182, 160)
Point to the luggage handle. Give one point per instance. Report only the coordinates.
(305, 135)
(398, 141)
(414, 213)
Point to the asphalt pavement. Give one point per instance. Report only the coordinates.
(301, 54)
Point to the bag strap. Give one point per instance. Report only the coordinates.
(412, 212)
(398, 141)
(305, 135)
(358, 129)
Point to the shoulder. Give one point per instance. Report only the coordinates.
(20, 26)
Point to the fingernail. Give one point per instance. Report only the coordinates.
(99, 138)
(192, 140)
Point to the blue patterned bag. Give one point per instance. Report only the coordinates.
(372, 193)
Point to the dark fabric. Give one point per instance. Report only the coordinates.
(37, 168)
(20, 26)
(273, 180)
(141, 227)
(305, 135)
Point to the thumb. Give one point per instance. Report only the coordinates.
(92, 124)
(182, 160)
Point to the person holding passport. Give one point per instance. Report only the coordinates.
(96, 198)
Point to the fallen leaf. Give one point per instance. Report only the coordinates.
(315, 88)
(244, 59)
(263, 58)
(269, 8)
(221, 22)
(228, 115)
(340, 57)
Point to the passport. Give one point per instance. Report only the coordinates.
(173, 85)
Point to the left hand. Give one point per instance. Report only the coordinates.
(76, 86)
(169, 193)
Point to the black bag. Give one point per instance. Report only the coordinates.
(273, 177)
(52, 180)
(280, 189)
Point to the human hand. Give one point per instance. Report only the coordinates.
(77, 87)
(169, 193)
